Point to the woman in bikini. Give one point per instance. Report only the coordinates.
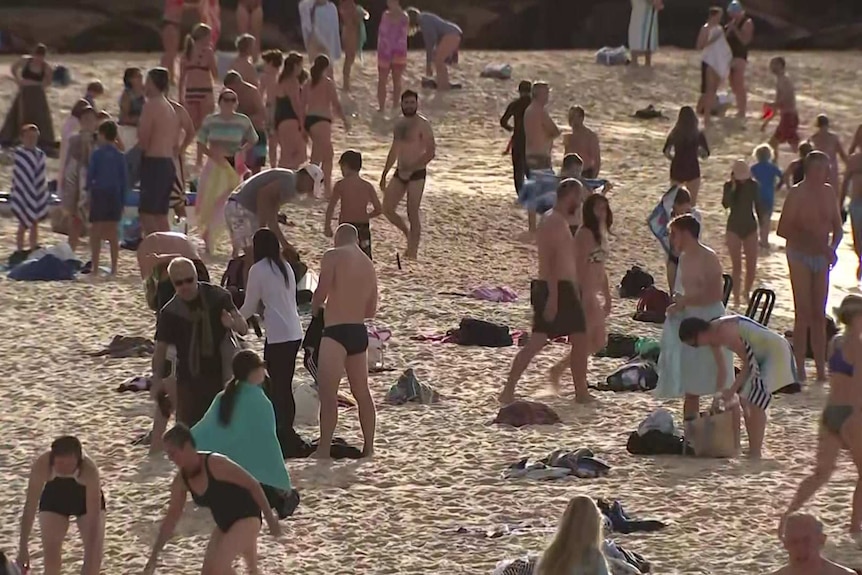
(172, 22)
(841, 422)
(198, 69)
(684, 147)
(321, 102)
(249, 20)
(64, 483)
(234, 498)
(741, 234)
(391, 51)
(289, 114)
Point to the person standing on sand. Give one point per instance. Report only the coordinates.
(583, 142)
(244, 63)
(442, 39)
(540, 131)
(186, 137)
(643, 29)
(681, 206)
(685, 146)
(555, 295)
(770, 179)
(740, 32)
(250, 103)
(107, 182)
(289, 114)
(249, 22)
(809, 217)
(348, 289)
(198, 71)
(352, 19)
(830, 144)
(740, 197)
(697, 293)
(355, 194)
(158, 138)
(767, 365)
(172, 22)
(795, 170)
(30, 196)
(391, 51)
(413, 147)
(518, 143)
(715, 63)
(804, 540)
(785, 107)
(841, 422)
(321, 103)
(853, 186)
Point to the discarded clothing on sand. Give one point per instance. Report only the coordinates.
(497, 71)
(503, 530)
(137, 383)
(473, 332)
(658, 435)
(637, 375)
(408, 388)
(520, 413)
(618, 521)
(496, 294)
(620, 560)
(560, 463)
(634, 282)
(127, 346)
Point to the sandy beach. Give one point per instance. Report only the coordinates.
(439, 467)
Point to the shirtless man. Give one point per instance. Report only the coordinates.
(785, 107)
(163, 247)
(804, 540)
(807, 222)
(250, 103)
(355, 194)
(244, 61)
(557, 309)
(249, 20)
(159, 141)
(540, 132)
(348, 287)
(584, 142)
(853, 186)
(413, 147)
(830, 144)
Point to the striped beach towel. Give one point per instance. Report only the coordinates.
(29, 186)
(755, 390)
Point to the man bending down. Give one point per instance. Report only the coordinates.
(348, 286)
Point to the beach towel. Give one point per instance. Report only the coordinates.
(30, 106)
(560, 463)
(30, 195)
(660, 217)
(250, 439)
(217, 181)
(408, 388)
(643, 27)
(497, 294)
(47, 268)
(539, 192)
(497, 71)
(323, 22)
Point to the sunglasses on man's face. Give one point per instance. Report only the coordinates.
(184, 281)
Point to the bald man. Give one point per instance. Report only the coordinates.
(348, 287)
(804, 539)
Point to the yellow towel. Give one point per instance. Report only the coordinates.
(217, 181)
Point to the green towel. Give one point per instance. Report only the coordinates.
(363, 33)
(250, 439)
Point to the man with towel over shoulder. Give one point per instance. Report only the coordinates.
(684, 370)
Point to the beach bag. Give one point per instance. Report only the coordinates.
(652, 306)
(377, 343)
(307, 404)
(635, 282)
(482, 333)
(713, 434)
(634, 376)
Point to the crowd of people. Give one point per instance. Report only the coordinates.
(235, 410)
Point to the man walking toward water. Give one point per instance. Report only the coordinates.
(540, 131)
(557, 308)
(348, 287)
(853, 186)
(159, 141)
(413, 147)
(515, 112)
(811, 224)
(685, 371)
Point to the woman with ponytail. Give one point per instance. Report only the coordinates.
(321, 102)
(240, 424)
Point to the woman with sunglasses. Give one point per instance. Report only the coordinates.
(222, 137)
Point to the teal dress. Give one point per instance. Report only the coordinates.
(249, 440)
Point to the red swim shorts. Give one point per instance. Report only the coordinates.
(787, 131)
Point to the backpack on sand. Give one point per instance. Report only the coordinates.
(635, 282)
(652, 306)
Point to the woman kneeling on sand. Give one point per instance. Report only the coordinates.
(234, 498)
(64, 483)
(841, 422)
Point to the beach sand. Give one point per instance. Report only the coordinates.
(439, 467)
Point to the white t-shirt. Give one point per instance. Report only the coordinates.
(266, 285)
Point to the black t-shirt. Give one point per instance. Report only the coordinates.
(516, 110)
(177, 331)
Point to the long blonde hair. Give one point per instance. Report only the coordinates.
(577, 543)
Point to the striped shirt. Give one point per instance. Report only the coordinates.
(229, 134)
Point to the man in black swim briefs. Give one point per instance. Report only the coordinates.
(413, 147)
(348, 287)
(555, 296)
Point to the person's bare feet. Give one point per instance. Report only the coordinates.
(584, 398)
(410, 255)
(367, 452)
(506, 397)
(555, 374)
(321, 455)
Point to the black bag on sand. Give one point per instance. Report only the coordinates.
(482, 333)
(635, 282)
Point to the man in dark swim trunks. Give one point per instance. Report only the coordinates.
(555, 296)
(515, 111)
(413, 147)
(348, 287)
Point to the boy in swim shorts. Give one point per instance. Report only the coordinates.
(787, 131)
(355, 194)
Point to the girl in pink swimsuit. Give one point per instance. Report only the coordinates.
(391, 51)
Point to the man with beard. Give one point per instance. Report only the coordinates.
(515, 111)
(413, 147)
(557, 309)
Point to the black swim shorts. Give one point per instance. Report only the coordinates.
(157, 182)
(570, 313)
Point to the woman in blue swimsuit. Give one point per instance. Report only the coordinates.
(841, 422)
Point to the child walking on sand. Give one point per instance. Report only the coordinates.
(770, 178)
(29, 187)
(106, 181)
(355, 193)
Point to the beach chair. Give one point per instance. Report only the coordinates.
(728, 288)
(760, 306)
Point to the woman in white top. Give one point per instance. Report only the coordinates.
(271, 283)
(715, 62)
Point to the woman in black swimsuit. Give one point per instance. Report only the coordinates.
(33, 75)
(234, 498)
(739, 32)
(684, 147)
(322, 101)
(290, 114)
(64, 483)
